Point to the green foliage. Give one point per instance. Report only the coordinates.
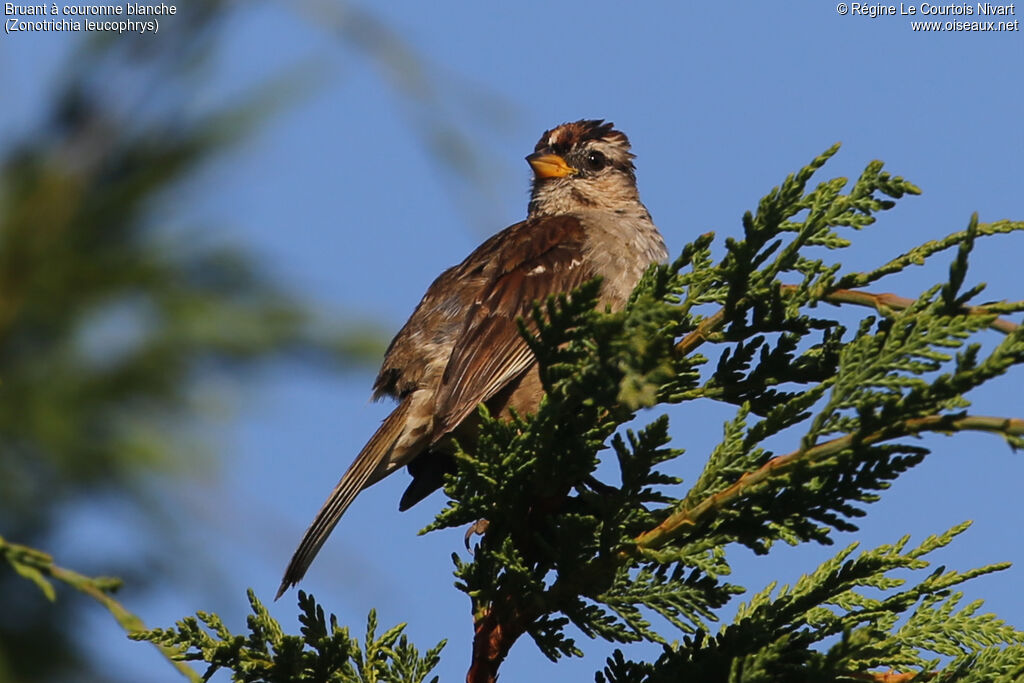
(27, 563)
(824, 628)
(115, 313)
(562, 547)
(40, 569)
(585, 528)
(80, 255)
(325, 652)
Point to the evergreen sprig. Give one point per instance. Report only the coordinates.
(789, 633)
(324, 652)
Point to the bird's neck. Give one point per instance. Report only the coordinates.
(559, 197)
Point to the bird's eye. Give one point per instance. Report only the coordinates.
(596, 161)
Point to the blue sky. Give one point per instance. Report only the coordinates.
(345, 204)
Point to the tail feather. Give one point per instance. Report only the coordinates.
(358, 476)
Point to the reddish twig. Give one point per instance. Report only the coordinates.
(885, 676)
(885, 303)
(492, 639)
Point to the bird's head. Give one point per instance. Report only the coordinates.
(582, 165)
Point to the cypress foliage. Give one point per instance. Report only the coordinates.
(561, 547)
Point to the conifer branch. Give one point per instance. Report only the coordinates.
(887, 302)
(686, 519)
(700, 335)
(36, 566)
(921, 253)
(884, 303)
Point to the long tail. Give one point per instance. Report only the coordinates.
(355, 479)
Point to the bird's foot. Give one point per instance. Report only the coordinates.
(477, 528)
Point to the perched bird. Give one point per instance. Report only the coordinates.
(462, 346)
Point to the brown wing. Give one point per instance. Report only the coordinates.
(423, 346)
(536, 259)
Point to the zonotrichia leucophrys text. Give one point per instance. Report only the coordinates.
(462, 346)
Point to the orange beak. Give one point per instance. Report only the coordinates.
(549, 166)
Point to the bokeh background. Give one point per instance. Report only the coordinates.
(208, 235)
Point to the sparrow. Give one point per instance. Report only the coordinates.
(462, 346)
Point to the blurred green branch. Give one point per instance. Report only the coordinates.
(39, 567)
